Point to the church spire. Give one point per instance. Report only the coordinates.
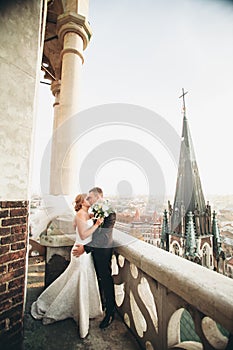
(184, 107)
(164, 243)
(217, 243)
(190, 244)
(216, 236)
(189, 195)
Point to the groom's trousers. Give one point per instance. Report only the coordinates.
(102, 260)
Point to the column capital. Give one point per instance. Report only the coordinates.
(55, 87)
(74, 23)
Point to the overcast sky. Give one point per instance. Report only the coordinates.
(144, 53)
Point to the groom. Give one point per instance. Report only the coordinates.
(101, 249)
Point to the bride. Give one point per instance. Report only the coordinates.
(75, 292)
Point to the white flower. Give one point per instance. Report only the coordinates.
(101, 209)
(105, 207)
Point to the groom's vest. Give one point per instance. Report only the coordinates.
(102, 237)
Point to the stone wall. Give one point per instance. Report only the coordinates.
(21, 35)
(13, 239)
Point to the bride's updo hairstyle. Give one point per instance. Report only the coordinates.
(79, 199)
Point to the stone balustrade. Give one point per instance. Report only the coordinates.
(154, 287)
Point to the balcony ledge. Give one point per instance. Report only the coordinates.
(208, 291)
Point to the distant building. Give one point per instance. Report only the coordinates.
(189, 228)
(227, 244)
(142, 227)
(229, 267)
(137, 215)
(151, 233)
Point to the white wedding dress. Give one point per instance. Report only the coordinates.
(73, 294)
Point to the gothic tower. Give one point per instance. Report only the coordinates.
(190, 230)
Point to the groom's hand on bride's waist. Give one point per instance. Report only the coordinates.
(78, 250)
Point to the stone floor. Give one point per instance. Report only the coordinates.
(64, 334)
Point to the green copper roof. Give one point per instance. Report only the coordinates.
(189, 195)
(190, 243)
(216, 236)
(164, 243)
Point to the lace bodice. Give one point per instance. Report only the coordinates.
(88, 239)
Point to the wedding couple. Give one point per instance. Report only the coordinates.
(85, 289)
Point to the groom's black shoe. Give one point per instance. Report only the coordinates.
(107, 320)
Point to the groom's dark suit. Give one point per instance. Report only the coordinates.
(101, 248)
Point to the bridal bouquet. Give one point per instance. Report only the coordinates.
(100, 209)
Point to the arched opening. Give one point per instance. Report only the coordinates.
(175, 249)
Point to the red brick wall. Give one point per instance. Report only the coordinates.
(175, 238)
(13, 239)
(206, 240)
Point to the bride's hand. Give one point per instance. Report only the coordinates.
(99, 221)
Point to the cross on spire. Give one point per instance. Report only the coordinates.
(183, 94)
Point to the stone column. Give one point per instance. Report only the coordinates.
(55, 88)
(74, 33)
